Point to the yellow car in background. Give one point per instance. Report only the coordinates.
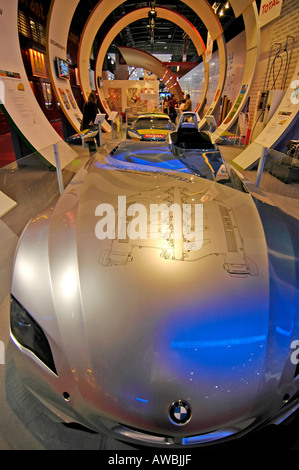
(150, 127)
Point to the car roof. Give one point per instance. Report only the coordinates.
(156, 115)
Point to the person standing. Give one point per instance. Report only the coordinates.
(188, 104)
(165, 105)
(90, 110)
(172, 111)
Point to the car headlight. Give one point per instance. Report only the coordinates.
(29, 334)
(133, 134)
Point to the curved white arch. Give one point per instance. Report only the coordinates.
(249, 11)
(59, 20)
(139, 14)
(17, 98)
(204, 11)
(58, 25)
(201, 7)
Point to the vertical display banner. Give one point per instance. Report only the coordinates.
(250, 17)
(17, 98)
(269, 10)
(209, 49)
(59, 19)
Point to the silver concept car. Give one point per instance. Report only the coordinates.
(158, 302)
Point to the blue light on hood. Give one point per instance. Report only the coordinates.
(217, 343)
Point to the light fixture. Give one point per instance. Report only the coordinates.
(215, 6)
(226, 6)
(152, 14)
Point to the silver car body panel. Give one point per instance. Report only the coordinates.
(137, 325)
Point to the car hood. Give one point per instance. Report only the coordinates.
(143, 323)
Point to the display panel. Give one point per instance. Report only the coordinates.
(17, 96)
(62, 68)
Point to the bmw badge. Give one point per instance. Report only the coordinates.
(180, 412)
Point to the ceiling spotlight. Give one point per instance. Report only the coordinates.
(221, 12)
(152, 14)
(226, 6)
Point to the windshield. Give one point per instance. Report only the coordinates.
(152, 123)
(157, 156)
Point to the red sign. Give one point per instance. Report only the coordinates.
(154, 136)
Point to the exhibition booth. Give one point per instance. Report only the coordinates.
(206, 95)
(248, 119)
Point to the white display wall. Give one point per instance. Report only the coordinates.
(277, 31)
(193, 82)
(287, 24)
(276, 36)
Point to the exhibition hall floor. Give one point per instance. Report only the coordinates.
(23, 424)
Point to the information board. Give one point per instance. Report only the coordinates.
(17, 98)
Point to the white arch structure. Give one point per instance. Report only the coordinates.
(249, 11)
(62, 12)
(59, 20)
(17, 98)
(140, 13)
(201, 7)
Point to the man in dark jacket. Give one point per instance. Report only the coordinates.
(90, 110)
